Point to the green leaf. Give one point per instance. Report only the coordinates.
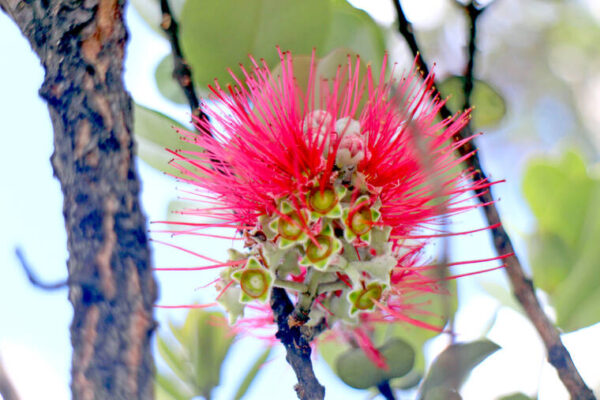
(154, 133)
(355, 30)
(357, 371)
(516, 396)
(557, 189)
(251, 374)
(175, 359)
(171, 389)
(216, 35)
(489, 105)
(203, 343)
(442, 393)
(257, 27)
(563, 252)
(453, 365)
(433, 305)
(167, 85)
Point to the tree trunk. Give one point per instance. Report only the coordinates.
(81, 45)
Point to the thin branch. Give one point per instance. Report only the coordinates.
(35, 281)
(297, 346)
(182, 71)
(522, 286)
(406, 30)
(473, 12)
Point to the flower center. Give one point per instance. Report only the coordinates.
(365, 299)
(361, 221)
(254, 282)
(316, 254)
(290, 227)
(322, 202)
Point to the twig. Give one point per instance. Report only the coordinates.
(297, 346)
(522, 286)
(182, 72)
(473, 12)
(33, 278)
(386, 390)
(7, 389)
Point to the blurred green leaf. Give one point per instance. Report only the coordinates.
(252, 372)
(490, 107)
(167, 86)
(564, 254)
(516, 396)
(171, 389)
(257, 27)
(559, 194)
(432, 307)
(175, 358)
(197, 353)
(442, 393)
(357, 371)
(153, 133)
(355, 30)
(326, 68)
(220, 35)
(454, 364)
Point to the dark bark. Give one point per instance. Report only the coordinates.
(81, 45)
(297, 347)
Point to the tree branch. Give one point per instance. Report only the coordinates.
(33, 279)
(182, 71)
(81, 46)
(522, 286)
(473, 12)
(297, 346)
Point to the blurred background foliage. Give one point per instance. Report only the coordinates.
(537, 94)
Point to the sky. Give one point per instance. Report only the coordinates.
(34, 341)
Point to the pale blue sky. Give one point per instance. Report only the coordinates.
(34, 325)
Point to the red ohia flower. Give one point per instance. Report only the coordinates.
(335, 189)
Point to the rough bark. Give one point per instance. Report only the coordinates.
(81, 45)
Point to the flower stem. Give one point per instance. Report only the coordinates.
(285, 284)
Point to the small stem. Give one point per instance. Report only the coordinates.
(386, 390)
(331, 286)
(306, 298)
(285, 284)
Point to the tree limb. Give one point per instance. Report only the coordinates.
(297, 346)
(81, 46)
(522, 286)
